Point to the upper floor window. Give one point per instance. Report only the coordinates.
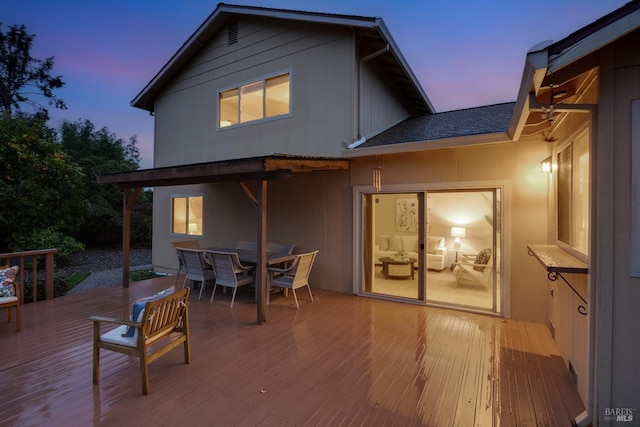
(573, 194)
(186, 215)
(253, 101)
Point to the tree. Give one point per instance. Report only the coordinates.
(98, 152)
(22, 77)
(41, 186)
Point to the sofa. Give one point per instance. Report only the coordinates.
(390, 245)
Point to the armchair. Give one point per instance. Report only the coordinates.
(196, 267)
(10, 293)
(294, 276)
(229, 272)
(478, 272)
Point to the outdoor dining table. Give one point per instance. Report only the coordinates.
(248, 256)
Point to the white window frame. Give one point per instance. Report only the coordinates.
(263, 79)
(569, 143)
(171, 220)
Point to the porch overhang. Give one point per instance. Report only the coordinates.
(272, 167)
(260, 169)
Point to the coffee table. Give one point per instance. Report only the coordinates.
(387, 261)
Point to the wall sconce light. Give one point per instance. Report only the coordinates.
(546, 165)
(377, 178)
(457, 233)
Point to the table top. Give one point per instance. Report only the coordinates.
(556, 260)
(389, 260)
(251, 257)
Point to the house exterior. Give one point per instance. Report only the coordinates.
(293, 87)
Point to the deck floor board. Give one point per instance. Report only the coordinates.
(341, 361)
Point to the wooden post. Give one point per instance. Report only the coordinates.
(130, 196)
(48, 270)
(261, 273)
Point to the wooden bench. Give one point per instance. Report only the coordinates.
(162, 320)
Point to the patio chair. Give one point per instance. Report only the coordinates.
(293, 277)
(230, 272)
(196, 268)
(161, 326)
(478, 272)
(10, 292)
(189, 244)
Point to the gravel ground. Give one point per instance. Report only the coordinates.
(105, 266)
(103, 259)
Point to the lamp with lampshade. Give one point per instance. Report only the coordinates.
(457, 233)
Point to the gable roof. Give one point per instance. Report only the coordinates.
(371, 29)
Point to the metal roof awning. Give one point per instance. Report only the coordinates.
(276, 166)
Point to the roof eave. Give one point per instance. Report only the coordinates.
(435, 144)
(557, 56)
(395, 50)
(535, 69)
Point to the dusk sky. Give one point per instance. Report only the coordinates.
(465, 53)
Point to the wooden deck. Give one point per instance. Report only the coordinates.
(341, 361)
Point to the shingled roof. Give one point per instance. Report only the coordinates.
(487, 119)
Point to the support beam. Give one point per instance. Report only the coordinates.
(130, 196)
(261, 273)
(249, 193)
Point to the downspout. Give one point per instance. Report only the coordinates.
(361, 138)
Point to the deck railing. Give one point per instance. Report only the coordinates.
(9, 259)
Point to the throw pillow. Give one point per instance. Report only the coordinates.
(395, 243)
(432, 245)
(137, 311)
(383, 242)
(7, 277)
(482, 258)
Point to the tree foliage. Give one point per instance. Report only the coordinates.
(51, 195)
(98, 152)
(41, 186)
(23, 78)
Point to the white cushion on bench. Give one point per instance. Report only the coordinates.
(115, 336)
(8, 299)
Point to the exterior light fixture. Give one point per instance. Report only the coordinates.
(377, 178)
(549, 113)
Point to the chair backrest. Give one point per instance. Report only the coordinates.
(246, 245)
(193, 261)
(286, 248)
(189, 244)
(164, 315)
(302, 268)
(226, 265)
(487, 272)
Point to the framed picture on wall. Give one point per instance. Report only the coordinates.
(406, 214)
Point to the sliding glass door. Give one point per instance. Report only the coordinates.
(469, 223)
(392, 231)
(439, 246)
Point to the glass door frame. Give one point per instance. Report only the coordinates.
(504, 266)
